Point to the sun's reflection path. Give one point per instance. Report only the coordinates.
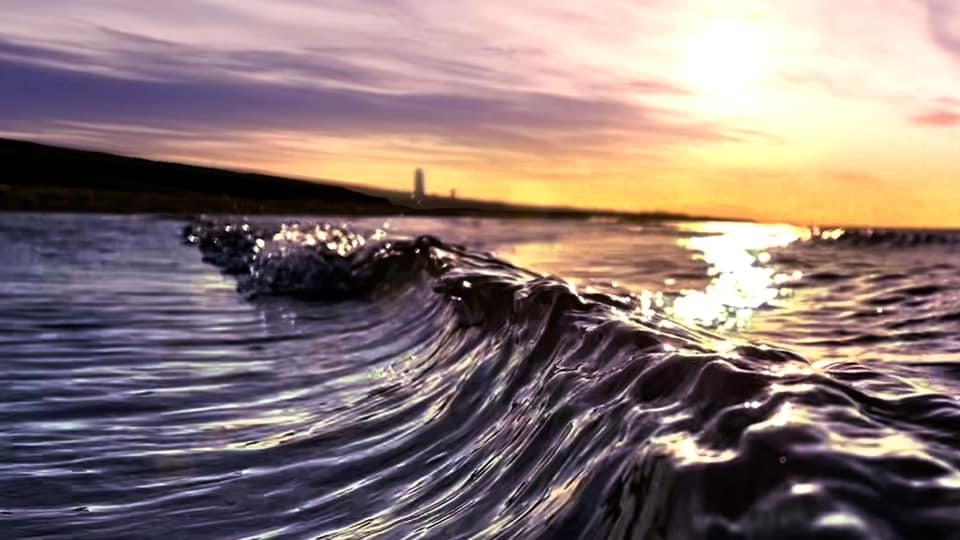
(742, 278)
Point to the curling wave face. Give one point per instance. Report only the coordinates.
(403, 386)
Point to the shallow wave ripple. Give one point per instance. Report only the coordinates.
(434, 391)
(524, 409)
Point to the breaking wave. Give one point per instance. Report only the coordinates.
(498, 402)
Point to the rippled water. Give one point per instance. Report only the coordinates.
(507, 379)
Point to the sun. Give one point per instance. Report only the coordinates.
(727, 56)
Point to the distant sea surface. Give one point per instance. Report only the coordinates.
(461, 378)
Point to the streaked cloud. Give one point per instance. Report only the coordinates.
(249, 90)
(939, 118)
(943, 20)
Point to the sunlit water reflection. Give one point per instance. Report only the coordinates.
(682, 380)
(742, 279)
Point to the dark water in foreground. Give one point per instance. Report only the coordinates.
(674, 381)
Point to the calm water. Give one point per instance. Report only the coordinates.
(504, 379)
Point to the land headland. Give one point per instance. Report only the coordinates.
(41, 177)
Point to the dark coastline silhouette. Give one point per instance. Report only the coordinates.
(41, 177)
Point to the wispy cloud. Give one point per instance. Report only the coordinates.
(943, 22)
(938, 118)
(147, 82)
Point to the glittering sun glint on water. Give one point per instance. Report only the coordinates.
(741, 278)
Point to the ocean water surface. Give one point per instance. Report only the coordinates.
(474, 378)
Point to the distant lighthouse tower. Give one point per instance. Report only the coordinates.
(419, 185)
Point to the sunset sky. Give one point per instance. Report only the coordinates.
(810, 111)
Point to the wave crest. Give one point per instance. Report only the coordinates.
(550, 413)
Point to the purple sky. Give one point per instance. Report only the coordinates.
(773, 110)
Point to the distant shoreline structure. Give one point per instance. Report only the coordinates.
(419, 186)
(42, 177)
